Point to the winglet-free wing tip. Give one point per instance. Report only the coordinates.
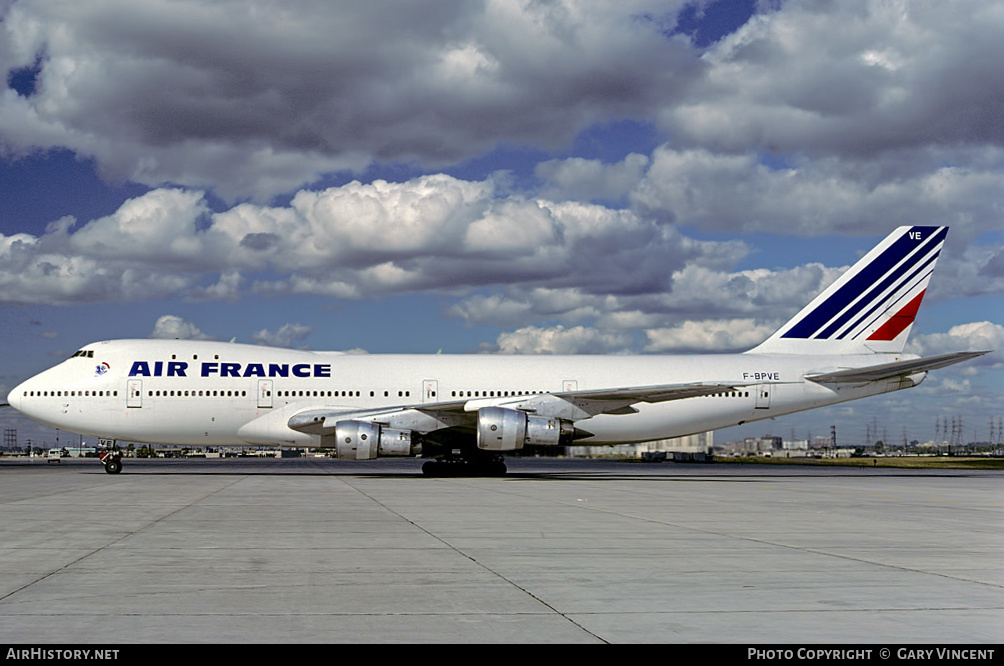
(897, 369)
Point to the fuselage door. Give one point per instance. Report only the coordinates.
(264, 393)
(134, 393)
(763, 396)
(430, 390)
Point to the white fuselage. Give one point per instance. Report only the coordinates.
(213, 393)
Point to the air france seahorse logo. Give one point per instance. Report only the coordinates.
(102, 369)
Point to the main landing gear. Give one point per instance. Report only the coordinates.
(112, 460)
(453, 466)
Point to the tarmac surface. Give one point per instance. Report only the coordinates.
(560, 551)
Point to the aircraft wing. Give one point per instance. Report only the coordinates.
(876, 373)
(573, 405)
(422, 418)
(619, 400)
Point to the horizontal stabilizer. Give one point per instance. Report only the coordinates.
(876, 373)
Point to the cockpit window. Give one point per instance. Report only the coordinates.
(84, 353)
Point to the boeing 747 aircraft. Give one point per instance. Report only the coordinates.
(466, 412)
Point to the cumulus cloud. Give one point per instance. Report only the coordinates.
(591, 180)
(255, 98)
(149, 248)
(561, 340)
(750, 304)
(433, 233)
(894, 76)
(171, 327)
(288, 335)
(969, 271)
(708, 336)
(972, 336)
(740, 193)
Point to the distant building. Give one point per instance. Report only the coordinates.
(820, 442)
(699, 443)
(765, 444)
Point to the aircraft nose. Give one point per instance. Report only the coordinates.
(14, 397)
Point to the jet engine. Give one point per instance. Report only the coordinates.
(362, 440)
(501, 429)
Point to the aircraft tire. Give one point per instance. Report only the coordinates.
(113, 466)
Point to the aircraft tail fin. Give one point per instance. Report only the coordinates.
(872, 306)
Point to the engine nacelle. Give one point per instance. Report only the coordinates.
(362, 440)
(547, 431)
(501, 429)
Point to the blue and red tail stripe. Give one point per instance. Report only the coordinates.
(869, 292)
(921, 275)
(899, 321)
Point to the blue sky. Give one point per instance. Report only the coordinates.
(563, 177)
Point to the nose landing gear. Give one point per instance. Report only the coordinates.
(112, 460)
